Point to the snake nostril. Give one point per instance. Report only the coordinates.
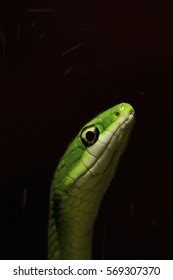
(131, 112)
(117, 114)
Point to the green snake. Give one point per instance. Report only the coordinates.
(81, 180)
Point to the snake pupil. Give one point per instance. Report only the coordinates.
(90, 135)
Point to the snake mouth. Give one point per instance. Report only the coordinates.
(119, 133)
(128, 121)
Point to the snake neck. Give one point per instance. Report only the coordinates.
(72, 219)
(75, 240)
(68, 240)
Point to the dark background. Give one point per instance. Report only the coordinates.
(61, 64)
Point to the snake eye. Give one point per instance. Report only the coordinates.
(89, 135)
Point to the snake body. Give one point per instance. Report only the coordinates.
(81, 179)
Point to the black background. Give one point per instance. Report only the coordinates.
(60, 65)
